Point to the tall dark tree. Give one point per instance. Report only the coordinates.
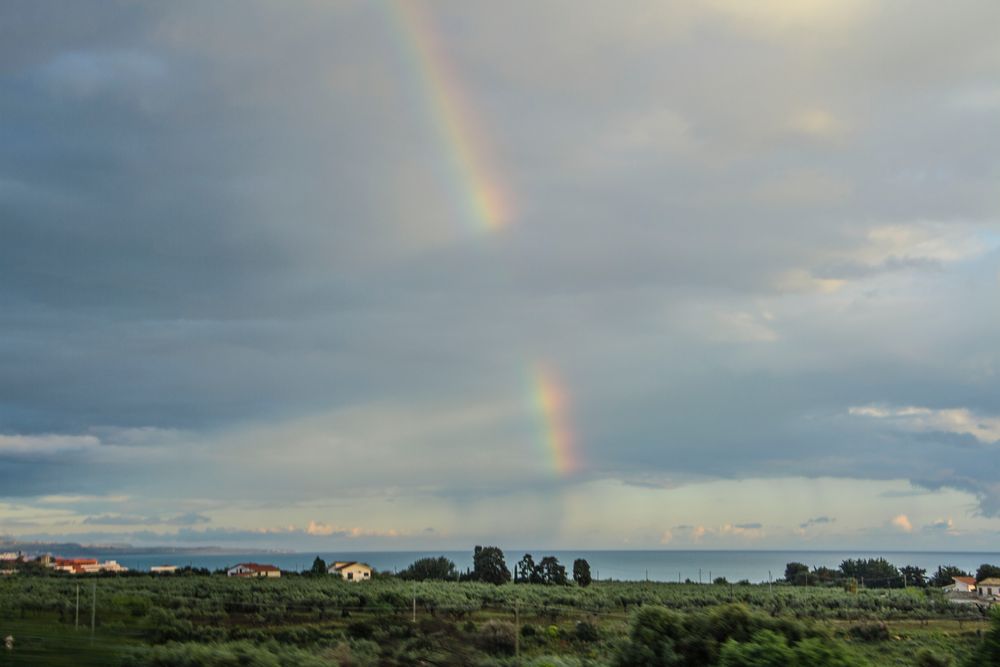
(430, 569)
(873, 572)
(824, 575)
(552, 572)
(524, 571)
(488, 565)
(581, 572)
(944, 575)
(318, 566)
(915, 576)
(797, 574)
(987, 571)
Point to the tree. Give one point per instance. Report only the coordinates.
(873, 572)
(488, 565)
(824, 575)
(987, 571)
(551, 571)
(318, 566)
(524, 571)
(430, 569)
(944, 575)
(797, 574)
(915, 576)
(581, 572)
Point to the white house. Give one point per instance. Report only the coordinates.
(351, 571)
(163, 569)
(253, 570)
(961, 585)
(988, 588)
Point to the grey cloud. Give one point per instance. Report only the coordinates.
(750, 526)
(816, 521)
(186, 519)
(200, 237)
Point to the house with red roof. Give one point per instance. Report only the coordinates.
(961, 585)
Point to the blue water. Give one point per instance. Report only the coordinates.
(755, 566)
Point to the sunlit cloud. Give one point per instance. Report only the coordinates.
(902, 522)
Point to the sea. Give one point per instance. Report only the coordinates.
(674, 565)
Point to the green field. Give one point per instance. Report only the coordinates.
(299, 620)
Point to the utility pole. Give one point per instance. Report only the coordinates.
(710, 576)
(93, 611)
(76, 626)
(678, 577)
(699, 575)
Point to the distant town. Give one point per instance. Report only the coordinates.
(13, 562)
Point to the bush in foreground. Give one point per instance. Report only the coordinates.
(730, 635)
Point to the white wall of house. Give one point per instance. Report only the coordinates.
(355, 572)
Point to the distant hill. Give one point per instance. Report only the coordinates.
(76, 549)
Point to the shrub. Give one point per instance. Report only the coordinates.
(927, 658)
(869, 632)
(498, 637)
(586, 632)
(360, 630)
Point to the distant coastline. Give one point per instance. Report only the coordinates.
(77, 549)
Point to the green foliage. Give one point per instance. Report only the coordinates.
(872, 572)
(797, 574)
(767, 649)
(825, 575)
(989, 651)
(987, 571)
(581, 572)
(488, 565)
(551, 572)
(231, 654)
(944, 575)
(329, 617)
(914, 576)
(586, 632)
(318, 566)
(497, 637)
(731, 634)
(430, 569)
(927, 658)
(869, 632)
(525, 572)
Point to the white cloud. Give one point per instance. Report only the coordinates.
(985, 429)
(47, 444)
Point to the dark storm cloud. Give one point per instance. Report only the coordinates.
(217, 216)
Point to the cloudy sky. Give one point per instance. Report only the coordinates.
(391, 275)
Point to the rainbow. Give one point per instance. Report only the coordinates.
(551, 403)
(479, 188)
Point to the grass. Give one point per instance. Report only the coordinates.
(318, 615)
